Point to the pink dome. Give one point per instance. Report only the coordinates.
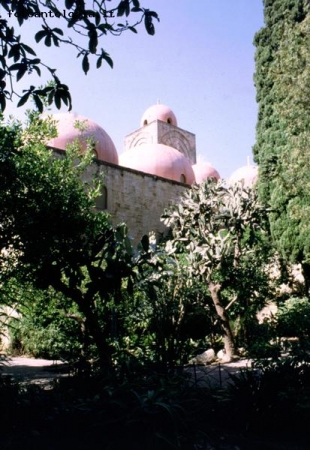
(249, 175)
(67, 133)
(160, 160)
(203, 171)
(159, 112)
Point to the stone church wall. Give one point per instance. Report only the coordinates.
(137, 198)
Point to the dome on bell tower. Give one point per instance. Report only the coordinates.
(159, 112)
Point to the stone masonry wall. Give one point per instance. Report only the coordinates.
(137, 198)
(134, 197)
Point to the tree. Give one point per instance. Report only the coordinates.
(50, 233)
(78, 26)
(220, 230)
(177, 311)
(283, 134)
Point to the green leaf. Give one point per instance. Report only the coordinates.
(99, 62)
(21, 72)
(15, 66)
(123, 8)
(55, 41)
(34, 61)
(132, 29)
(40, 35)
(153, 14)
(38, 103)
(48, 41)
(57, 99)
(136, 3)
(50, 97)
(37, 69)
(15, 52)
(149, 26)
(2, 101)
(58, 31)
(85, 64)
(28, 49)
(107, 58)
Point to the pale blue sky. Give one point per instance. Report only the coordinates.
(200, 63)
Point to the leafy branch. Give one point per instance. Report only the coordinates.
(17, 59)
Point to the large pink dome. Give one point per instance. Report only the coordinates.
(67, 133)
(160, 160)
(204, 171)
(249, 175)
(159, 112)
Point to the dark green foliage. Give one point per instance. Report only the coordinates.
(282, 144)
(166, 317)
(262, 340)
(51, 234)
(18, 59)
(180, 317)
(293, 324)
(49, 327)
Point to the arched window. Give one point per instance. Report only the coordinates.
(102, 200)
(145, 122)
(183, 178)
(169, 120)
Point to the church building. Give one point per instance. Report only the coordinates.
(158, 164)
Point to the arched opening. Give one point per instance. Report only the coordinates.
(145, 122)
(169, 120)
(183, 178)
(102, 200)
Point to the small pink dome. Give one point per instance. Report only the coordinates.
(203, 171)
(159, 112)
(67, 133)
(160, 160)
(249, 175)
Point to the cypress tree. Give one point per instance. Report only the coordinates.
(282, 147)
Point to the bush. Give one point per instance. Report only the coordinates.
(293, 318)
(46, 330)
(53, 341)
(262, 341)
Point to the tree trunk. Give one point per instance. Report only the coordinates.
(229, 340)
(92, 323)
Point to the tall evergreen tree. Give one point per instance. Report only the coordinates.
(282, 148)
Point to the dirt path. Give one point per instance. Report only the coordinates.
(43, 371)
(31, 370)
